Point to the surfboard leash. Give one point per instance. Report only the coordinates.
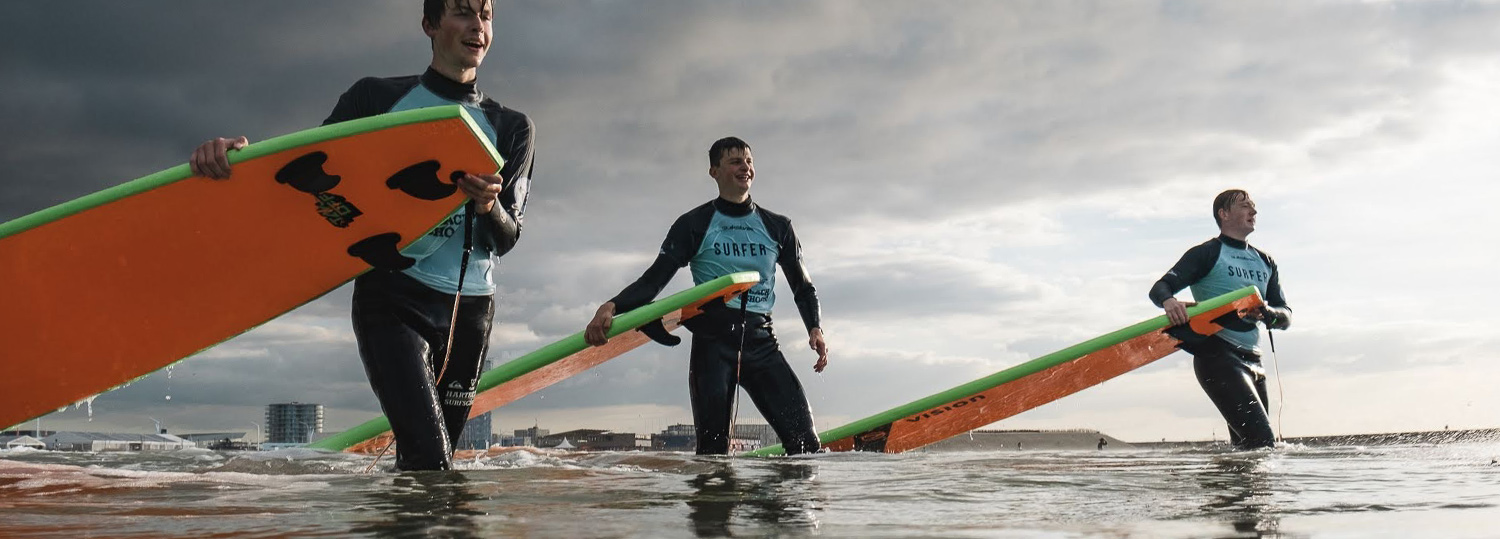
(1280, 393)
(463, 269)
(739, 355)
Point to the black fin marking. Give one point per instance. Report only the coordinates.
(1184, 332)
(306, 174)
(873, 440)
(658, 332)
(379, 251)
(421, 181)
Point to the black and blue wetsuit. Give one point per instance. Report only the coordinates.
(719, 238)
(401, 318)
(1228, 364)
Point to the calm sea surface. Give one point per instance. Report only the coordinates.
(1414, 490)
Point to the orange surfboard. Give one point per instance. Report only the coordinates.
(108, 288)
(560, 360)
(1031, 384)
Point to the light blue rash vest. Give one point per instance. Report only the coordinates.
(733, 244)
(1236, 268)
(441, 250)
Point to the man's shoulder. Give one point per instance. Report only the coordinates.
(501, 114)
(766, 213)
(702, 211)
(1212, 245)
(1263, 255)
(401, 83)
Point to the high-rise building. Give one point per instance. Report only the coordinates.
(293, 422)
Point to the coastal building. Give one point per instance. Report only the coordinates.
(108, 441)
(293, 422)
(525, 437)
(675, 438)
(224, 441)
(15, 442)
(762, 433)
(597, 440)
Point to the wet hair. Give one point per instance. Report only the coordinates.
(716, 152)
(432, 10)
(1225, 200)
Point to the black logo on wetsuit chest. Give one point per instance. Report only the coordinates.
(741, 249)
(1242, 273)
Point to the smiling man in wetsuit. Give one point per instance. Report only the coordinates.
(734, 343)
(403, 319)
(1227, 364)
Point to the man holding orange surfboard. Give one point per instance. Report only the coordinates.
(1227, 364)
(731, 234)
(404, 320)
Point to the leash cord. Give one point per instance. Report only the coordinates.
(463, 269)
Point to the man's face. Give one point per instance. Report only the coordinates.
(462, 37)
(735, 171)
(1239, 217)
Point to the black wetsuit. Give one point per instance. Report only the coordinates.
(402, 322)
(1228, 365)
(706, 238)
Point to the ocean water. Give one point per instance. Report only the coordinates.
(1412, 490)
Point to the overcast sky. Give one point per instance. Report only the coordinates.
(975, 184)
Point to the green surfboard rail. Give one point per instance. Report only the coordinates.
(554, 352)
(252, 151)
(1008, 375)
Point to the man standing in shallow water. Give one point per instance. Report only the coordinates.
(731, 234)
(402, 319)
(1228, 364)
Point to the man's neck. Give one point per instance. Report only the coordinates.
(738, 197)
(466, 75)
(1234, 234)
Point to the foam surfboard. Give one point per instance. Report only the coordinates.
(558, 361)
(112, 286)
(1032, 384)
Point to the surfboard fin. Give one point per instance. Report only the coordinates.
(421, 181)
(306, 174)
(658, 332)
(380, 251)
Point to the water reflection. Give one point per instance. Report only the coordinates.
(424, 504)
(1241, 489)
(777, 495)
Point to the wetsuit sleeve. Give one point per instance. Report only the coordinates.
(1194, 265)
(1278, 315)
(797, 277)
(355, 103)
(676, 251)
(505, 220)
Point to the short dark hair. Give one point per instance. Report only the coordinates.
(432, 10)
(716, 152)
(1225, 200)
